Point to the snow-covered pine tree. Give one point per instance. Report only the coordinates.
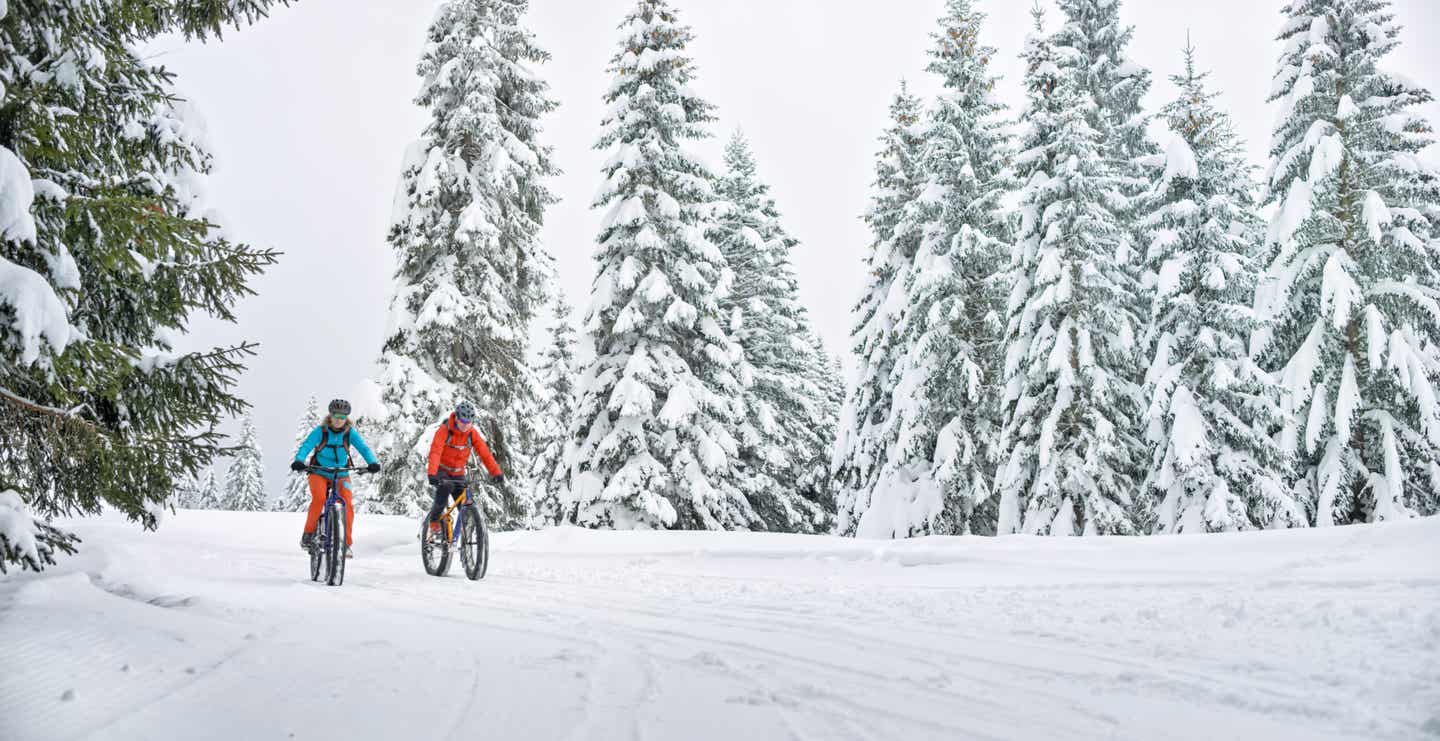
(1092, 44)
(940, 435)
(1069, 405)
(210, 490)
(860, 452)
(555, 374)
(655, 436)
(786, 424)
(296, 497)
(1214, 464)
(824, 372)
(365, 487)
(471, 271)
(245, 484)
(100, 169)
(1353, 284)
(187, 493)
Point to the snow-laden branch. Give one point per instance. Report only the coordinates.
(34, 406)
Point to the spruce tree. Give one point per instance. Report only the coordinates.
(209, 490)
(860, 450)
(471, 271)
(245, 484)
(1352, 282)
(940, 436)
(1092, 44)
(1069, 405)
(556, 412)
(106, 253)
(187, 493)
(1214, 466)
(655, 436)
(365, 487)
(822, 371)
(296, 497)
(787, 423)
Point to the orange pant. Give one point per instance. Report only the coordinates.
(317, 503)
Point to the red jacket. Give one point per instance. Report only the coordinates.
(450, 450)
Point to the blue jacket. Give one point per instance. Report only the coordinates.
(332, 452)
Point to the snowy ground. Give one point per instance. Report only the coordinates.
(211, 629)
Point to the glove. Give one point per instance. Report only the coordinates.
(373, 468)
(297, 465)
(434, 479)
(497, 479)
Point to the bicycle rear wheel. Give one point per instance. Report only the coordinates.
(434, 549)
(474, 543)
(337, 515)
(315, 556)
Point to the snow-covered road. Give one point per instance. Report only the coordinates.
(211, 629)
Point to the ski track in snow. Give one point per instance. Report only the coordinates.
(210, 628)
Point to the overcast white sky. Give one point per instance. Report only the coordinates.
(310, 111)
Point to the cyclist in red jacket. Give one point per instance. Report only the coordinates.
(449, 452)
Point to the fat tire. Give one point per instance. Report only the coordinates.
(315, 556)
(474, 544)
(435, 557)
(342, 534)
(334, 549)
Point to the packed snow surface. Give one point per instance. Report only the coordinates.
(211, 629)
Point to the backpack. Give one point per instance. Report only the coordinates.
(467, 447)
(324, 443)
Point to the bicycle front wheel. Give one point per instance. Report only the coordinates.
(335, 546)
(474, 543)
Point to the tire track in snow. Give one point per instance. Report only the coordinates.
(462, 712)
(621, 620)
(1123, 676)
(613, 697)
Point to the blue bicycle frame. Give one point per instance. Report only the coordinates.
(332, 495)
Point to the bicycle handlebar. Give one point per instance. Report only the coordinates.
(327, 469)
(470, 477)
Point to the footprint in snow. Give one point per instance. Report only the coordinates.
(567, 655)
(763, 698)
(709, 659)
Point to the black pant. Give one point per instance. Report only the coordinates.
(443, 491)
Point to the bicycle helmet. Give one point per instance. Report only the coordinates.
(465, 411)
(339, 406)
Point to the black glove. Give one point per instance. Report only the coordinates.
(434, 480)
(373, 468)
(497, 479)
(297, 465)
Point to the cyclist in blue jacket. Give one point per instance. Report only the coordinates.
(331, 443)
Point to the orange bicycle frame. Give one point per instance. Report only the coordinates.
(445, 518)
